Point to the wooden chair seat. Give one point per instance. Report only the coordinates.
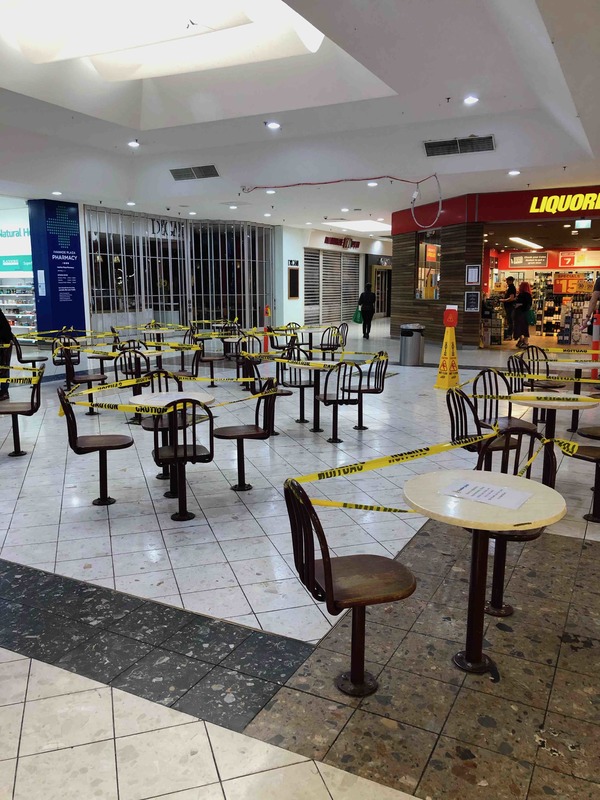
(330, 399)
(240, 432)
(103, 441)
(363, 580)
(88, 377)
(188, 452)
(588, 452)
(548, 386)
(14, 407)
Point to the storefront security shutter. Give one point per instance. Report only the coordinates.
(331, 277)
(312, 286)
(350, 278)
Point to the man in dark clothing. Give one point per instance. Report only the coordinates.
(5, 354)
(510, 295)
(367, 307)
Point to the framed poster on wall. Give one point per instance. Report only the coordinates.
(293, 283)
(472, 302)
(473, 275)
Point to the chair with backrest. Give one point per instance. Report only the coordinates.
(129, 365)
(343, 582)
(116, 341)
(331, 341)
(256, 383)
(188, 338)
(343, 332)
(517, 370)
(18, 409)
(464, 424)
(99, 443)
(488, 386)
(182, 445)
(343, 387)
(373, 382)
(536, 363)
(248, 344)
(33, 361)
(82, 378)
(60, 345)
(295, 376)
(201, 357)
(264, 418)
(515, 453)
(160, 380)
(231, 333)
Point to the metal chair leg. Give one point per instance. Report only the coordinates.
(182, 515)
(16, 437)
(334, 439)
(241, 485)
(104, 499)
(595, 515)
(359, 426)
(496, 607)
(357, 682)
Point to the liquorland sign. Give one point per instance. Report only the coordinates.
(554, 203)
(566, 202)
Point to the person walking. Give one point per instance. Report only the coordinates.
(508, 301)
(523, 303)
(366, 301)
(5, 354)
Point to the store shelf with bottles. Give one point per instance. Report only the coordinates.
(17, 301)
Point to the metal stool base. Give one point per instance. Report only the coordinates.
(244, 487)
(103, 501)
(460, 660)
(367, 687)
(505, 610)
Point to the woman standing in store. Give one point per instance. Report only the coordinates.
(522, 304)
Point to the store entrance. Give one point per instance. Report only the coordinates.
(559, 259)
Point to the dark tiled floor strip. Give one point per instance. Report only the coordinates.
(532, 730)
(222, 672)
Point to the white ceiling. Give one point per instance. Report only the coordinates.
(389, 75)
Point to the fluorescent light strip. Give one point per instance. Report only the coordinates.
(525, 243)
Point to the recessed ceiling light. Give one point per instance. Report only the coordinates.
(233, 208)
(134, 143)
(470, 100)
(192, 213)
(525, 242)
(343, 210)
(584, 249)
(514, 172)
(130, 203)
(272, 125)
(380, 219)
(372, 183)
(370, 236)
(344, 230)
(57, 194)
(267, 215)
(308, 223)
(270, 191)
(567, 225)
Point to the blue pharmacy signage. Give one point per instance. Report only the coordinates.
(57, 266)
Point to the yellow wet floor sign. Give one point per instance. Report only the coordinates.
(447, 377)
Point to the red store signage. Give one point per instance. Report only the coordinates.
(540, 204)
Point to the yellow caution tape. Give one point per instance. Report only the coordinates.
(398, 458)
(318, 501)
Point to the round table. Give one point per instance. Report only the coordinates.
(425, 493)
(552, 403)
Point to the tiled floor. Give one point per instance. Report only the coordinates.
(233, 562)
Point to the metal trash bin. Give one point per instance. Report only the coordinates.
(412, 345)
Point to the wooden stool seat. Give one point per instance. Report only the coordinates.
(240, 432)
(593, 432)
(188, 452)
(103, 441)
(366, 580)
(509, 422)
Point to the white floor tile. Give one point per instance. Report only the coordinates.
(297, 782)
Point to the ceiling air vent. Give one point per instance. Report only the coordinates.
(194, 173)
(451, 147)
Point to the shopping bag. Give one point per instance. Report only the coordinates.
(531, 320)
(357, 315)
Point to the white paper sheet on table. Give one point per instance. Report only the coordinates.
(488, 494)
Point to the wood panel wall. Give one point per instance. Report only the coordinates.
(460, 245)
